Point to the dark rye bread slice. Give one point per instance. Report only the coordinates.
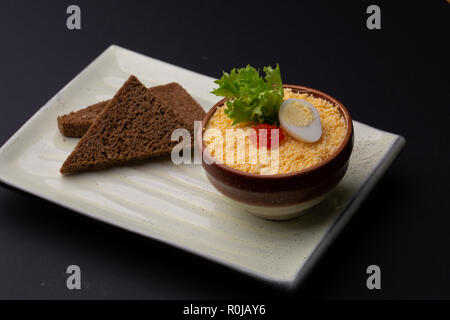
(75, 124)
(134, 126)
(173, 94)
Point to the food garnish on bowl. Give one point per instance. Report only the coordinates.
(277, 149)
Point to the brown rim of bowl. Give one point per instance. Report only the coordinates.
(298, 89)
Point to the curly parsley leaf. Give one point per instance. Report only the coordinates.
(252, 98)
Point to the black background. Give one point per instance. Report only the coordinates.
(396, 79)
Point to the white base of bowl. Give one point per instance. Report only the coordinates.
(281, 213)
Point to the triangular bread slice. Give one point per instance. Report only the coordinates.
(176, 97)
(135, 125)
(76, 124)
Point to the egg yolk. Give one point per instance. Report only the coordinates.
(298, 114)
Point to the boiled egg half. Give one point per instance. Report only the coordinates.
(301, 120)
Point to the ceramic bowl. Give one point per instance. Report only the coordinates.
(281, 196)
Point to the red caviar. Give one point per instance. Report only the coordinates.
(255, 138)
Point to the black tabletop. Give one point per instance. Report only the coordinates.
(395, 78)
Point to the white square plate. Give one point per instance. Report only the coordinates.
(176, 204)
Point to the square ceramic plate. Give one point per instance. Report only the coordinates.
(176, 204)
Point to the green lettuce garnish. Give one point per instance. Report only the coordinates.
(253, 98)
